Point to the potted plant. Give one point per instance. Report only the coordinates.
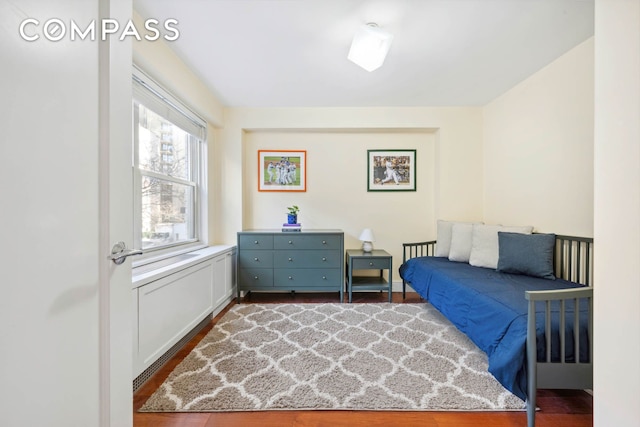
(292, 215)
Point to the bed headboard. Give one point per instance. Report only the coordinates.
(573, 259)
(418, 249)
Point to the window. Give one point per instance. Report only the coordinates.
(168, 163)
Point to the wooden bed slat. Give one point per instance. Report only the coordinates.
(547, 329)
(576, 330)
(573, 259)
(563, 327)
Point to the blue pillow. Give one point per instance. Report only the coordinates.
(528, 254)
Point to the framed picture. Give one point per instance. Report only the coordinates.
(391, 170)
(282, 170)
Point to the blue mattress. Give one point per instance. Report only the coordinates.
(491, 309)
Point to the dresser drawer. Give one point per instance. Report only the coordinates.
(370, 263)
(252, 278)
(255, 241)
(307, 259)
(307, 241)
(255, 259)
(301, 278)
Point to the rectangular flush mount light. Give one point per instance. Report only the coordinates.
(370, 46)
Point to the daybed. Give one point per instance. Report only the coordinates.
(515, 318)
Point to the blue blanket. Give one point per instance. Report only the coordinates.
(491, 309)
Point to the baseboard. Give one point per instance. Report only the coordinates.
(396, 286)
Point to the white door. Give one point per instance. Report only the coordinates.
(65, 180)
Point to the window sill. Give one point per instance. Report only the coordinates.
(146, 273)
(153, 256)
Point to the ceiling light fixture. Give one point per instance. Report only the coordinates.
(370, 46)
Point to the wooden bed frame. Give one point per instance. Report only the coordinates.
(573, 261)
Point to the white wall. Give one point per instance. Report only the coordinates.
(538, 148)
(448, 143)
(160, 62)
(337, 195)
(617, 214)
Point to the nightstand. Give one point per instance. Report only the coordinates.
(377, 259)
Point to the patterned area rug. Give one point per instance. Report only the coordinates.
(332, 356)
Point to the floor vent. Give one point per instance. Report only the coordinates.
(147, 373)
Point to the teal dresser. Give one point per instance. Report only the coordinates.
(272, 260)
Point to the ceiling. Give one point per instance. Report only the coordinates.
(293, 53)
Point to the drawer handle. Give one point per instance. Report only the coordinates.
(255, 242)
(290, 278)
(324, 277)
(324, 242)
(324, 258)
(290, 259)
(256, 259)
(255, 277)
(371, 264)
(290, 242)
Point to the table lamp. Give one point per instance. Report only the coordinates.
(367, 237)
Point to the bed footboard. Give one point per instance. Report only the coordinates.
(413, 250)
(575, 374)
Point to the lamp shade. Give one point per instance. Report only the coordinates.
(367, 236)
(369, 47)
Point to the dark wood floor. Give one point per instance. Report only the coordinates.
(558, 408)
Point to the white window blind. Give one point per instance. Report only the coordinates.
(152, 96)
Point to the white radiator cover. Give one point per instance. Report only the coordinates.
(168, 306)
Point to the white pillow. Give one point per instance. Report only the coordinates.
(484, 243)
(443, 245)
(443, 242)
(460, 242)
